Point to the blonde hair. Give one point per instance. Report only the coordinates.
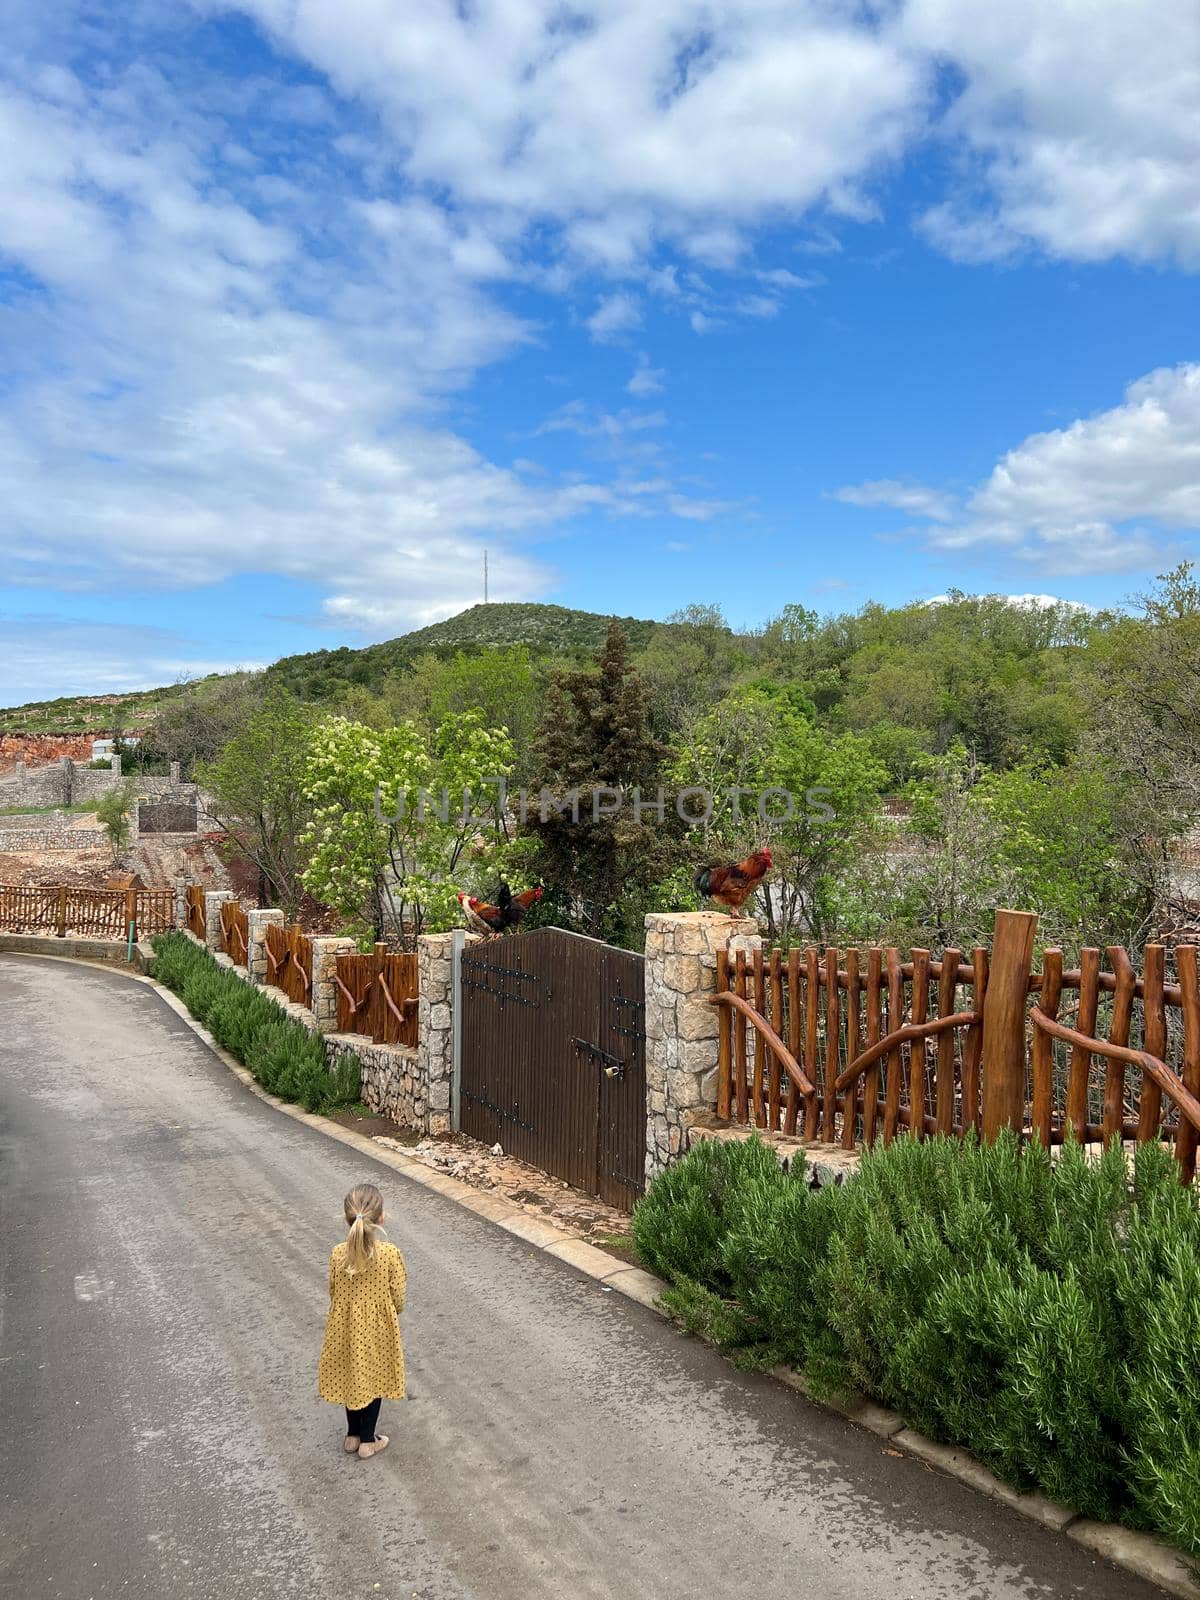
(363, 1207)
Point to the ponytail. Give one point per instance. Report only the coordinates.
(363, 1207)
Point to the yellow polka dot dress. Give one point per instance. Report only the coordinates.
(361, 1359)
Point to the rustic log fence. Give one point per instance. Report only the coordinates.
(377, 996)
(855, 1046)
(197, 919)
(289, 962)
(60, 909)
(235, 933)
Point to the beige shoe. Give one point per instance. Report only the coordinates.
(350, 1444)
(366, 1451)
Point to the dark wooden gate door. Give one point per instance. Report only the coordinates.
(553, 1063)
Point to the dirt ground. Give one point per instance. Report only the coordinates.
(159, 859)
(527, 1187)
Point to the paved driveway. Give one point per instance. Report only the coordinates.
(164, 1246)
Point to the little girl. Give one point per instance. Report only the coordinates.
(362, 1363)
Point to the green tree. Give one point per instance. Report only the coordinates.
(112, 813)
(595, 748)
(1061, 845)
(194, 726)
(688, 664)
(828, 785)
(1145, 731)
(256, 791)
(401, 819)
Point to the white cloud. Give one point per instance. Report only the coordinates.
(646, 380)
(1022, 602)
(1078, 126)
(1109, 493)
(625, 123)
(910, 497)
(615, 316)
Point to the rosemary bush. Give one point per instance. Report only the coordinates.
(280, 1053)
(1040, 1313)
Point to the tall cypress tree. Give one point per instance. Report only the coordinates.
(595, 739)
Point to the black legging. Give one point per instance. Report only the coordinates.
(360, 1425)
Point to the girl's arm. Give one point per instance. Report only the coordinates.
(397, 1279)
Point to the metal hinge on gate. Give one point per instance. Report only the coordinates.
(613, 1066)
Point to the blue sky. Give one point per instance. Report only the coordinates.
(304, 305)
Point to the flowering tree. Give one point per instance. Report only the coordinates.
(400, 819)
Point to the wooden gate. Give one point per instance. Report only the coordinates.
(553, 1063)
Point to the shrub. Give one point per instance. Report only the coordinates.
(279, 1052)
(1039, 1312)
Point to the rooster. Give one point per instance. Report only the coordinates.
(508, 911)
(733, 885)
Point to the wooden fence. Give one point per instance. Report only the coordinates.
(197, 920)
(235, 932)
(377, 996)
(108, 913)
(289, 962)
(855, 1046)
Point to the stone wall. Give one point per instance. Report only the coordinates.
(410, 1086)
(681, 1026)
(66, 782)
(32, 840)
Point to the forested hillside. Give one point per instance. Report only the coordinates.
(1038, 755)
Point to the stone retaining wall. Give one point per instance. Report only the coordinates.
(410, 1086)
(31, 840)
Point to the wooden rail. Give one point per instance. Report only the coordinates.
(106, 913)
(197, 920)
(867, 1045)
(289, 962)
(235, 932)
(377, 996)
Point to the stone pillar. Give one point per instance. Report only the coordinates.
(66, 768)
(181, 902)
(681, 1026)
(19, 770)
(325, 951)
(435, 1035)
(214, 899)
(116, 765)
(174, 780)
(257, 923)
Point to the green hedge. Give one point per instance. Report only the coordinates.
(1044, 1315)
(281, 1054)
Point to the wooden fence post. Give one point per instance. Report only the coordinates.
(61, 921)
(1004, 1019)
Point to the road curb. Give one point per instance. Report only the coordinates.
(1141, 1554)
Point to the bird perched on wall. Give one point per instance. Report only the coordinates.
(509, 910)
(733, 884)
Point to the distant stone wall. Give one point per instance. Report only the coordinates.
(42, 786)
(66, 782)
(30, 840)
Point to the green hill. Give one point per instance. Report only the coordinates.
(543, 629)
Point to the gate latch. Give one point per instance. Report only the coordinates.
(613, 1066)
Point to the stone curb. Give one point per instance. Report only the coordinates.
(1139, 1553)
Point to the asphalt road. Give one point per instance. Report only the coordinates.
(164, 1245)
